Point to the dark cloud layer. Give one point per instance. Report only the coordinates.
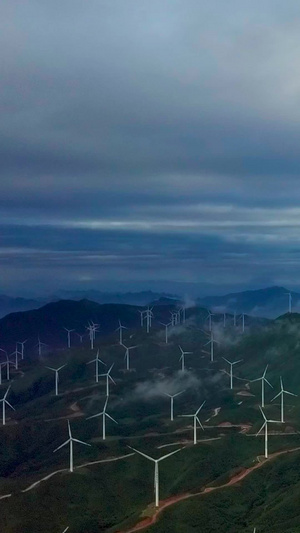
(149, 140)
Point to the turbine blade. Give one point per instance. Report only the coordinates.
(62, 445)
(106, 414)
(9, 404)
(279, 393)
(143, 454)
(262, 427)
(94, 416)
(169, 454)
(81, 442)
(200, 407)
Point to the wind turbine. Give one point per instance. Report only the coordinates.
(92, 328)
(263, 380)
(172, 396)
(69, 336)
(142, 317)
(108, 377)
(56, 370)
(97, 361)
(80, 337)
(149, 316)
(209, 320)
(281, 393)
(231, 365)
(70, 440)
(234, 318)
(290, 301)
(121, 333)
(166, 331)
(183, 308)
(16, 353)
(224, 320)
(104, 414)
(4, 401)
(156, 472)
(181, 358)
(265, 425)
(242, 316)
(211, 342)
(8, 362)
(39, 345)
(22, 348)
(127, 354)
(196, 419)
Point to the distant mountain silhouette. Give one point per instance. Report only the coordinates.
(269, 302)
(11, 305)
(128, 298)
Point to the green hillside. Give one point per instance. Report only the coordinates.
(111, 489)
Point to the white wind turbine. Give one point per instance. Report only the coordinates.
(242, 316)
(22, 347)
(212, 341)
(281, 393)
(172, 396)
(231, 372)
(224, 320)
(166, 330)
(103, 414)
(234, 318)
(265, 425)
(4, 401)
(97, 361)
(80, 337)
(69, 331)
(127, 354)
(263, 380)
(156, 472)
(149, 316)
(290, 301)
(108, 377)
(71, 440)
(182, 358)
(120, 328)
(56, 370)
(8, 362)
(16, 353)
(142, 317)
(209, 319)
(196, 419)
(183, 309)
(39, 346)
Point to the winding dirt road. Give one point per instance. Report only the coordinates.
(147, 522)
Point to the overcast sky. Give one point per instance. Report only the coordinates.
(149, 140)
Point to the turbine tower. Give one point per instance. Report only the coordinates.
(242, 316)
(4, 401)
(142, 317)
(56, 370)
(231, 365)
(71, 440)
(69, 331)
(8, 362)
(263, 380)
(156, 472)
(172, 396)
(224, 320)
(108, 377)
(281, 393)
(97, 361)
(104, 414)
(182, 358)
(265, 425)
(196, 419)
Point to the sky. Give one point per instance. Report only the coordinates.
(145, 141)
